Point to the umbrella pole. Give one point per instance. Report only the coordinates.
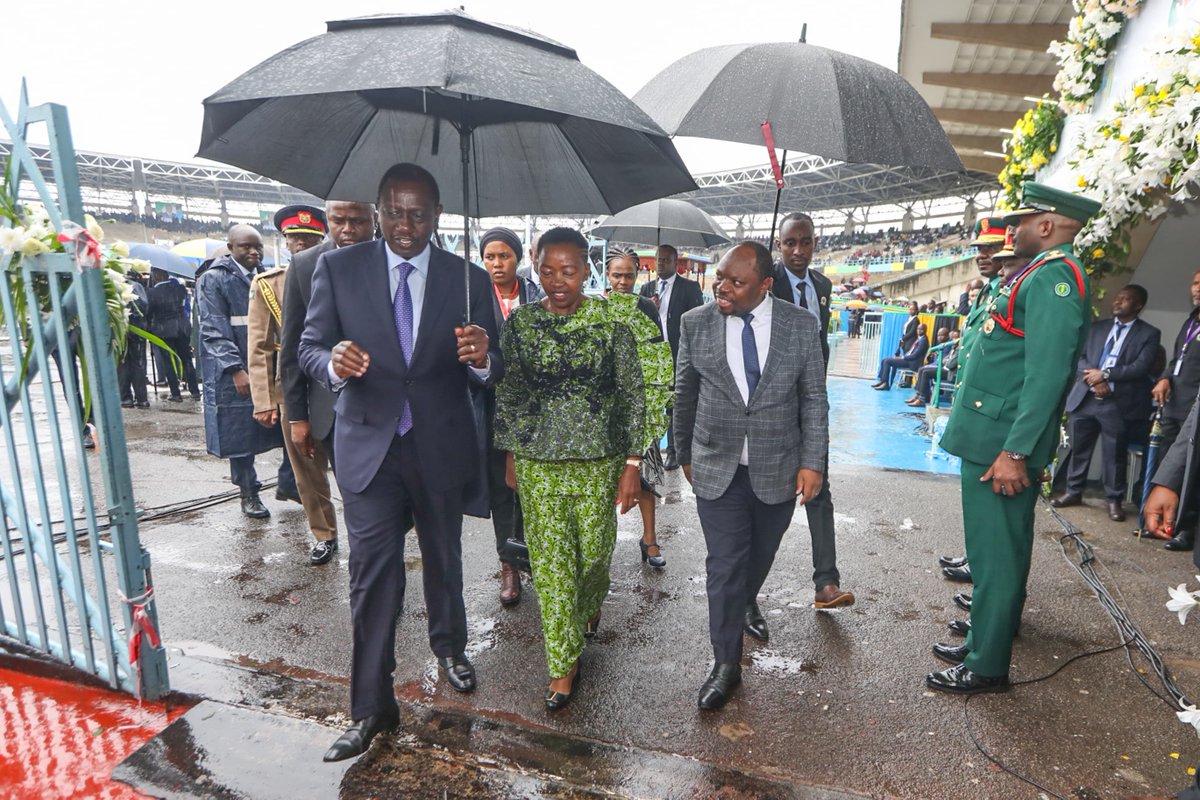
(464, 140)
(778, 196)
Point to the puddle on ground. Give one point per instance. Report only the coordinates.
(773, 662)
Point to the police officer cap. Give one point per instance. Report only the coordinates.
(1038, 198)
(301, 219)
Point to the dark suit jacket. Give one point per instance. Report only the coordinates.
(1131, 376)
(304, 399)
(351, 299)
(914, 356)
(686, 294)
(909, 334)
(1186, 385)
(782, 288)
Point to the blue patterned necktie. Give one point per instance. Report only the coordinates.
(402, 312)
(749, 356)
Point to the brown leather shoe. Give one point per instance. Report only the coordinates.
(1115, 512)
(830, 596)
(510, 585)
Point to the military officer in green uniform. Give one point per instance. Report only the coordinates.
(989, 238)
(1005, 421)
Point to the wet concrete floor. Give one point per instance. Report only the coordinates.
(834, 703)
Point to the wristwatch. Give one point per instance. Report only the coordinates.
(1015, 456)
(1104, 374)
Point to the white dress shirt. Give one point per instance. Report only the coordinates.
(805, 285)
(761, 325)
(664, 300)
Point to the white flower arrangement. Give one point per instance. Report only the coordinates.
(1143, 156)
(1082, 56)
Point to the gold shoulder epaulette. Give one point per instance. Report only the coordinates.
(1055, 254)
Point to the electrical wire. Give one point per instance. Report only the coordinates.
(1130, 635)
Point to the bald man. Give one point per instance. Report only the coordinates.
(230, 430)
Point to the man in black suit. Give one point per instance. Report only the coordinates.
(674, 295)
(385, 330)
(308, 403)
(1176, 391)
(1110, 397)
(808, 289)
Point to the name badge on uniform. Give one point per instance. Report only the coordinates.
(1178, 365)
(1109, 362)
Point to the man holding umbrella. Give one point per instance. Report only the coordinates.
(385, 330)
(674, 295)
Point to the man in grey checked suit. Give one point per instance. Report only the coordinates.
(752, 428)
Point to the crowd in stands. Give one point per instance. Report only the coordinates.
(175, 223)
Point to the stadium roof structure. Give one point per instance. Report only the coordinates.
(980, 64)
(813, 183)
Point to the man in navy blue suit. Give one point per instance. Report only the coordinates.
(1110, 398)
(385, 331)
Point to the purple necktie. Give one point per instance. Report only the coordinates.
(402, 312)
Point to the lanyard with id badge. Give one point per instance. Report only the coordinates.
(1192, 330)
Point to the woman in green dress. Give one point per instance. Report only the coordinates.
(571, 413)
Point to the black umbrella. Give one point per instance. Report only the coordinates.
(518, 114)
(669, 221)
(816, 101)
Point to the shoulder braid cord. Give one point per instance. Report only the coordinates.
(272, 302)
(1006, 321)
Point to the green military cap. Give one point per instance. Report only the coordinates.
(988, 230)
(1038, 198)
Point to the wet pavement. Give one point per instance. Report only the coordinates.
(833, 706)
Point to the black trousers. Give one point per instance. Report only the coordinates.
(1098, 419)
(376, 521)
(819, 511)
(507, 519)
(182, 347)
(742, 534)
(131, 372)
(245, 476)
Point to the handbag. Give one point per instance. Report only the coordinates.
(516, 552)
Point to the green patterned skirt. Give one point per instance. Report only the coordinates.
(570, 528)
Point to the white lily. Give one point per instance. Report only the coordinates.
(1190, 716)
(1182, 602)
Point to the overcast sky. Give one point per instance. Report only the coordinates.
(133, 73)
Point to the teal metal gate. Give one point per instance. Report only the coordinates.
(75, 581)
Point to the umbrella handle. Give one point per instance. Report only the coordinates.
(464, 140)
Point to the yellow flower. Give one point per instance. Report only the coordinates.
(1098, 253)
(1053, 148)
(93, 227)
(33, 246)
(1139, 90)
(1082, 181)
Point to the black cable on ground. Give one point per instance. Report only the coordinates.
(1131, 637)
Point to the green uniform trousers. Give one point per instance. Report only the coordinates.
(999, 534)
(570, 528)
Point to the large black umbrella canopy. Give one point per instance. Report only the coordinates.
(675, 222)
(543, 133)
(818, 101)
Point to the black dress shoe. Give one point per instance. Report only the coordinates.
(755, 624)
(952, 561)
(959, 626)
(963, 601)
(556, 700)
(950, 653)
(252, 507)
(322, 552)
(291, 493)
(1184, 540)
(1066, 500)
(459, 671)
(720, 685)
(1115, 512)
(356, 740)
(126, 404)
(671, 460)
(958, 574)
(960, 680)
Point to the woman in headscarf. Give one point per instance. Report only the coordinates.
(502, 251)
(571, 410)
(657, 373)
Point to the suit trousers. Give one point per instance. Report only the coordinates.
(131, 372)
(819, 511)
(182, 347)
(891, 365)
(507, 519)
(312, 482)
(375, 523)
(243, 474)
(1096, 418)
(742, 534)
(999, 534)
